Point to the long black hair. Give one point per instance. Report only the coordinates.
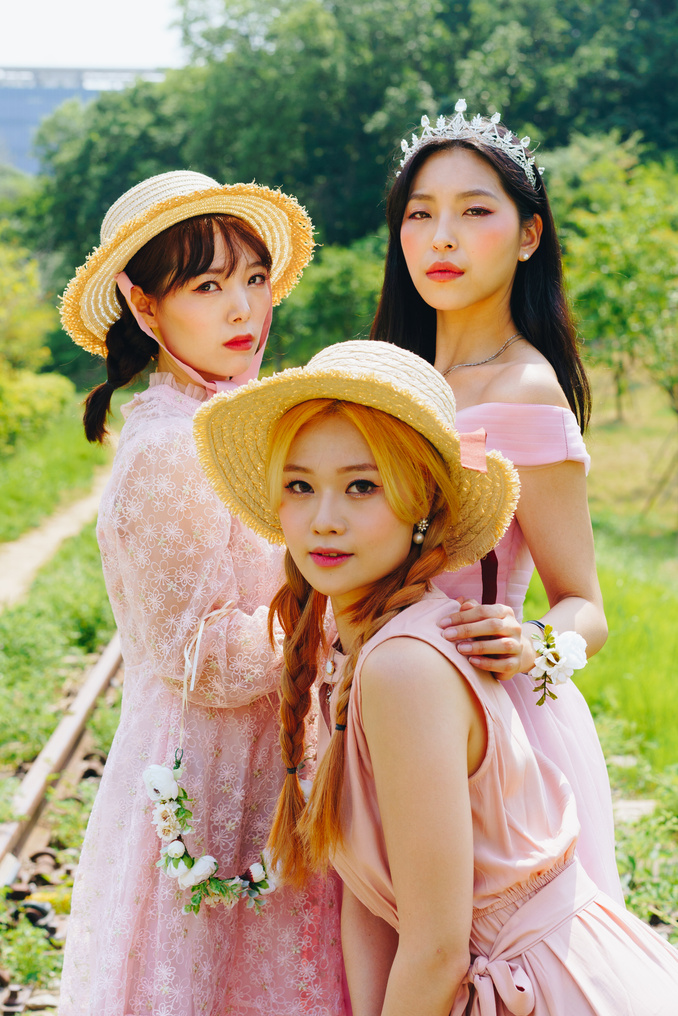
(538, 303)
(166, 263)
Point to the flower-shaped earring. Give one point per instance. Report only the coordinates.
(419, 530)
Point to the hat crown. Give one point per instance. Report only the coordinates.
(144, 195)
(399, 369)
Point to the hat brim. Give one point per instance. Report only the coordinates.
(89, 305)
(233, 432)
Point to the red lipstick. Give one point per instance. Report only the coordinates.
(240, 342)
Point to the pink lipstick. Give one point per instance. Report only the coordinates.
(328, 557)
(443, 271)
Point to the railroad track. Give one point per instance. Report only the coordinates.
(27, 863)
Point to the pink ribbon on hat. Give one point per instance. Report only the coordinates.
(125, 285)
(472, 450)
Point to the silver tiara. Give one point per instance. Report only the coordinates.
(458, 127)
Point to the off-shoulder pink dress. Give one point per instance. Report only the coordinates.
(545, 941)
(172, 553)
(533, 436)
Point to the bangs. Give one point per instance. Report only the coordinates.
(183, 251)
(190, 246)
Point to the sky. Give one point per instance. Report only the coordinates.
(89, 34)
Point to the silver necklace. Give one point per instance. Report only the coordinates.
(487, 359)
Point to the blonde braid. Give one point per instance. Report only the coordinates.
(320, 822)
(301, 611)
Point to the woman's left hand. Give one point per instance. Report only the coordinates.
(489, 635)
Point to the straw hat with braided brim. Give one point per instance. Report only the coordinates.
(89, 305)
(232, 432)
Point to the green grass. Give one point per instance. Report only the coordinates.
(47, 473)
(631, 679)
(45, 640)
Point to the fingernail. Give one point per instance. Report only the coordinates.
(450, 633)
(465, 647)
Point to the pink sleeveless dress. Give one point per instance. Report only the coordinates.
(544, 941)
(171, 553)
(533, 435)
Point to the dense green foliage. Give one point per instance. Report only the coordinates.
(28, 403)
(314, 96)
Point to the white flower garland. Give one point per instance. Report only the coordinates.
(558, 656)
(172, 820)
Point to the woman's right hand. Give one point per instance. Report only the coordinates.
(491, 637)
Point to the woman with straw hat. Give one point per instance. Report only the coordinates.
(187, 272)
(455, 840)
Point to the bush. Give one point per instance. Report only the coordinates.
(27, 402)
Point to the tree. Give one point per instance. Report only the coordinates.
(25, 318)
(336, 300)
(621, 253)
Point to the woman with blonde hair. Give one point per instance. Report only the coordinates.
(455, 840)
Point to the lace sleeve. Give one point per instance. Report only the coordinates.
(180, 556)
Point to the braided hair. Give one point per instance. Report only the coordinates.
(416, 484)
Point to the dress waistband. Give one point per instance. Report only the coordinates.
(501, 972)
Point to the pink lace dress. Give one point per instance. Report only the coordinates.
(534, 435)
(171, 553)
(544, 940)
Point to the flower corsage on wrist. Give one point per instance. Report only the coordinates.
(172, 820)
(557, 658)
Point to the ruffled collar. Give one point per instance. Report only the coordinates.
(191, 391)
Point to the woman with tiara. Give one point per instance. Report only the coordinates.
(473, 283)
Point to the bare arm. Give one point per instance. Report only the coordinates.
(369, 945)
(554, 517)
(427, 823)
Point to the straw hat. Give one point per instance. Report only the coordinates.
(89, 305)
(232, 432)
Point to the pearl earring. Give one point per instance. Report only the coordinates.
(419, 530)
(524, 257)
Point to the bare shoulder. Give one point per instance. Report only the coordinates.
(398, 661)
(529, 379)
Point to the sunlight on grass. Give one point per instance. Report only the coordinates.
(43, 475)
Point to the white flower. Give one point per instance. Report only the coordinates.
(175, 870)
(175, 849)
(271, 874)
(160, 783)
(203, 869)
(571, 650)
(560, 661)
(166, 821)
(256, 872)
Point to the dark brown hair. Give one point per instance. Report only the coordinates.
(166, 263)
(538, 303)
